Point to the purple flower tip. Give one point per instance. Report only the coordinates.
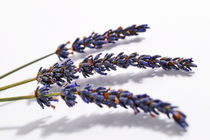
(180, 119)
(62, 51)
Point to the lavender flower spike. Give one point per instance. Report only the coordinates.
(96, 41)
(66, 71)
(112, 98)
(111, 62)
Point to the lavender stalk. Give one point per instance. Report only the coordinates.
(105, 96)
(94, 41)
(67, 71)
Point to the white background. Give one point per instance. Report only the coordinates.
(31, 29)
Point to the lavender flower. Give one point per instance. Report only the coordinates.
(58, 73)
(112, 98)
(62, 51)
(96, 41)
(68, 94)
(66, 71)
(42, 99)
(111, 62)
(44, 76)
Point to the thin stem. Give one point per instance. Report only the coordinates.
(27, 97)
(17, 84)
(23, 66)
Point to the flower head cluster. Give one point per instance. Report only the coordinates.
(96, 41)
(42, 99)
(110, 62)
(62, 74)
(68, 94)
(66, 71)
(112, 98)
(44, 76)
(62, 51)
(58, 73)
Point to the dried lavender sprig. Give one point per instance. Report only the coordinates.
(112, 98)
(66, 72)
(105, 96)
(95, 41)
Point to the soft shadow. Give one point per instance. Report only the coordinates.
(5, 104)
(65, 125)
(25, 129)
(138, 77)
(106, 47)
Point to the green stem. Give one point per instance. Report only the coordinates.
(17, 84)
(27, 97)
(21, 67)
